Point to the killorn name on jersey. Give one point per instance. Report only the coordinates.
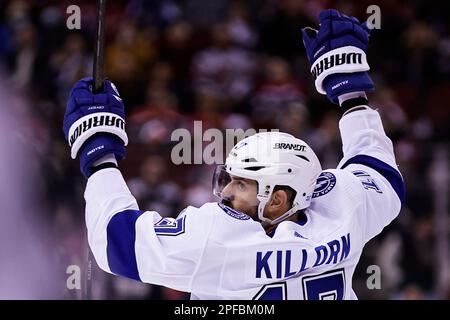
(282, 264)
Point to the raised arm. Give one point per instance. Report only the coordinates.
(142, 245)
(125, 240)
(337, 53)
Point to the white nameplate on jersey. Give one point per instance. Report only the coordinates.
(287, 261)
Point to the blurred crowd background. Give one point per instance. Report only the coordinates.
(230, 64)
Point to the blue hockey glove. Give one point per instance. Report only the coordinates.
(337, 53)
(94, 124)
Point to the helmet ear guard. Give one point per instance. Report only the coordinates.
(274, 159)
(266, 190)
(264, 194)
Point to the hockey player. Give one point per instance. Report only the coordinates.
(283, 228)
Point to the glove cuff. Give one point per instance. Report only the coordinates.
(84, 128)
(96, 147)
(338, 85)
(348, 59)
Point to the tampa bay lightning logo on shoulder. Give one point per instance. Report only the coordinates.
(233, 213)
(325, 183)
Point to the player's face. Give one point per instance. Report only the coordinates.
(240, 194)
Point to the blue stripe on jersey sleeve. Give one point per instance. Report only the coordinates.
(121, 237)
(392, 175)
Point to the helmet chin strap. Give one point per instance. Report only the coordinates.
(262, 204)
(285, 215)
(266, 221)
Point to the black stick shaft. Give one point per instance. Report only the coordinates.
(98, 75)
(99, 59)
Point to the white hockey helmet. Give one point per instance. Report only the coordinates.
(272, 159)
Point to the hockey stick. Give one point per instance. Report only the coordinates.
(98, 75)
(98, 71)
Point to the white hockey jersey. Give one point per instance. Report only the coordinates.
(215, 252)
